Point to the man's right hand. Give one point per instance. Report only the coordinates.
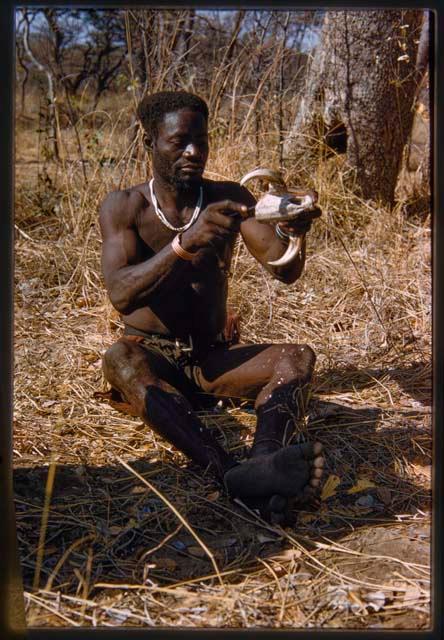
(215, 225)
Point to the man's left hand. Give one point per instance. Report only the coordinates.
(302, 224)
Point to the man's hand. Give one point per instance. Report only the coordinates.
(302, 224)
(215, 224)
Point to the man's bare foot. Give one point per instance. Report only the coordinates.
(271, 509)
(291, 471)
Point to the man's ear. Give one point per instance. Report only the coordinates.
(147, 142)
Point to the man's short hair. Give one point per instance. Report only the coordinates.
(152, 108)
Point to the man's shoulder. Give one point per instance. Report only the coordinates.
(221, 185)
(122, 205)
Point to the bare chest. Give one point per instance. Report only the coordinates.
(210, 265)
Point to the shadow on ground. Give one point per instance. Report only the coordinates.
(117, 527)
(414, 379)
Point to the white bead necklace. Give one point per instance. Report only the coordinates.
(162, 217)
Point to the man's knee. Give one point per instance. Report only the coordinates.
(296, 361)
(117, 363)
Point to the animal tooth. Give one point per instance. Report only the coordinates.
(274, 177)
(294, 246)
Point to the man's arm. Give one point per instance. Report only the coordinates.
(131, 281)
(266, 246)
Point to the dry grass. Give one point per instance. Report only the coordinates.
(113, 552)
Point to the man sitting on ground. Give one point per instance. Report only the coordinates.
(166, 255)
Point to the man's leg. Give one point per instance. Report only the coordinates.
(281, 403)
(146, 379)
(277, 378)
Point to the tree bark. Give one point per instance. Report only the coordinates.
(359, 95)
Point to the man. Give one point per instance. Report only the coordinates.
(166, 255)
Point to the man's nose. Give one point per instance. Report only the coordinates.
(192, 150)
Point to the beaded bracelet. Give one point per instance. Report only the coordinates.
(283, 235)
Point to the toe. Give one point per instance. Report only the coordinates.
(304, 450)
(317, 448)
(317, 472)
(310, 450)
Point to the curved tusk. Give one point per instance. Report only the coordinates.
(294, 246)
(274, 177)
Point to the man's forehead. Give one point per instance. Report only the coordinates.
(183, 119)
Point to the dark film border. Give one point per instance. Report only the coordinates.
(12, 621)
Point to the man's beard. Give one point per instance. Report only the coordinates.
(185, 185)
(179, 183)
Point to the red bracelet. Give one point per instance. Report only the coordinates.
(180, 251)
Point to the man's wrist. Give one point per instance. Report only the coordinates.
(186, 242)
(282, 234)
(179, 250)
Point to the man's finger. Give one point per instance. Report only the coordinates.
(228, 207)
(231, 222)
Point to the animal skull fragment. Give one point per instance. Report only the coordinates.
(280, 204)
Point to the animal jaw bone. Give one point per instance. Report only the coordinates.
(280, 205)
(281, 208)
(294, 247)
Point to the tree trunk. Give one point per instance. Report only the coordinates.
(359, 95)
(422, 104)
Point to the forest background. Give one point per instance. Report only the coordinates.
(101, 546)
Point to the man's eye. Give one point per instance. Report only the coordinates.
(183, 142)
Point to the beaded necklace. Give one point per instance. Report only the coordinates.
(162, 217)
